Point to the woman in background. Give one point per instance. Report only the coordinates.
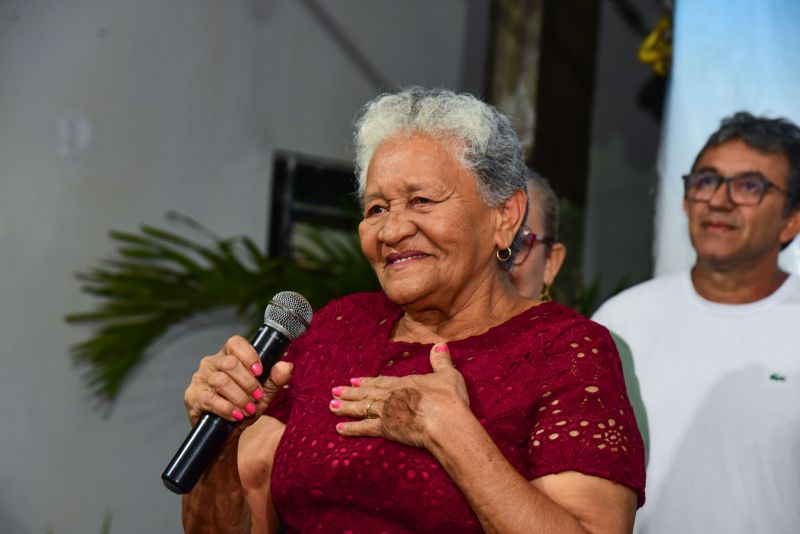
(541, 255)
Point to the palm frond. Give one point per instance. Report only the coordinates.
(160, 277)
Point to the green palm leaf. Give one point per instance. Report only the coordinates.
(158, 278)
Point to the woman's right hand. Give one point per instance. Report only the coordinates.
(227, 384)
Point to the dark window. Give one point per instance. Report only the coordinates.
(311, 191)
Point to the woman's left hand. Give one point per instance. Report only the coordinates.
(406, 409)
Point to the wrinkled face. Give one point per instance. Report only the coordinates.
(727, 236)
(426, 231)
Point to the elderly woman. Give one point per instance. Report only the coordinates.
(541, 255)
(448, 402)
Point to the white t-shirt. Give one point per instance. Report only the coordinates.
(721, 387)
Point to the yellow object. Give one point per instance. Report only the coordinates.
(545, 295)
(656, 49)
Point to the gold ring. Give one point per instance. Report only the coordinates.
(370, 415)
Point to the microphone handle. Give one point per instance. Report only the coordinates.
(209, 434)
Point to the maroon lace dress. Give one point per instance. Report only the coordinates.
(547, 386)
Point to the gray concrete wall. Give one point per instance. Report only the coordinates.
(111, 114)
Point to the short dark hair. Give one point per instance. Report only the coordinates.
(766, 135)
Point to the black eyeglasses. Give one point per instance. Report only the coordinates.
(746, 189)
(528, 240)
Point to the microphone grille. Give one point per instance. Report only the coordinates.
(289, 311)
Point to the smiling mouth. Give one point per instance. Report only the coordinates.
(718, 226)
(400, 259)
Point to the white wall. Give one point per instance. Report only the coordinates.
(171, 106)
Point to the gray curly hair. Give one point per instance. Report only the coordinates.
(492, 151)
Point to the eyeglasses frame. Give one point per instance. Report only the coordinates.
(727, 181)
(529, 239)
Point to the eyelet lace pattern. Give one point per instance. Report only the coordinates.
(547, 386)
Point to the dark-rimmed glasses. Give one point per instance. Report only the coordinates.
(746, 189)
(529, 239)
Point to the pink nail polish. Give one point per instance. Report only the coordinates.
(337, 391)
(355, 382)
(336, 403)
(339, 426)
(257, 369)
(440, 348)
(258, 394)
(250, 408)
(237, 414)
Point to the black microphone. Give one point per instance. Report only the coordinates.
(287, 317)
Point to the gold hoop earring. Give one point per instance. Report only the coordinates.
(545, 296)
(506, 254)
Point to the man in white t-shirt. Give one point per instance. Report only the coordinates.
(716, 350)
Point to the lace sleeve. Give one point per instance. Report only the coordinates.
(583, 418)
